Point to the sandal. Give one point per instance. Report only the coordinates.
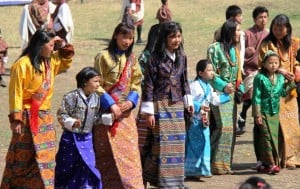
(274, 169)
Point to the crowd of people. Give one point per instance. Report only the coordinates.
(134, 121)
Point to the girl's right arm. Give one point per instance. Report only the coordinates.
(64, 112)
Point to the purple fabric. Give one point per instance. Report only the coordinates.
(75, 162)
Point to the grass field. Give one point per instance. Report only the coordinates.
(94, 23)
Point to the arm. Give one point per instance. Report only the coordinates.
(135, 85)
(62, 59)
(256, 100)
(65, 110)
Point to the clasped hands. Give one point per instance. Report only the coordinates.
(122, 109)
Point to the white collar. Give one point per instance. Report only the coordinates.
(171, 55)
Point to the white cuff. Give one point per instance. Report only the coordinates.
(133, 6)
(57, 27)
(5, 59)
(147, 107)
(68, 123)
(107, 119)
(188, 100)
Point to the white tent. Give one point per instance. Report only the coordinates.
(14, 2)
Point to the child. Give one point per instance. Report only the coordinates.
(197, 154)
(75, 159)
(268, 87)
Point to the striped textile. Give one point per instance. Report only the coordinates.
(117, 157)
(222, 137)
(164, 149)
(268, 151)
(30, 159)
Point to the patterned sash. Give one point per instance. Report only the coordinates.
(119, 87)
(38, 98)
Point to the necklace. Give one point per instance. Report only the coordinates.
(229, 60)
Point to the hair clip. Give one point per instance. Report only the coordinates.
(261, 185)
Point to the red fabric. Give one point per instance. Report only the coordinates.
(115, 88)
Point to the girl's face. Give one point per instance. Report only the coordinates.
(261, 20)
(237, 33)
(279, 31)
(272, 64)
(47, 49)
(208, 73)
(173, 41)
(91, 85)
(124, 40)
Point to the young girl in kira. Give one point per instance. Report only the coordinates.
(197, 154)
(75, 159)
(268, 87)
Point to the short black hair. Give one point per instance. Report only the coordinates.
(233, 11)
(258, 10)
(85, 75)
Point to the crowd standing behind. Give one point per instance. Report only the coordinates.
(173, 149)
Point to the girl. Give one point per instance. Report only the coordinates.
(281, 41)
(197, 154)
(30, 158)
(224, 55)
(268, 87)
(75, 159)
(165, 94)
(116, 147)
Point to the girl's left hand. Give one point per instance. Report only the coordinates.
(190, 110)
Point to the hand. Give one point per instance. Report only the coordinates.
(59, 41)
(205, 108)
(150, 121)
(258, 120)
(115, 109)
(250, 51)
(229, 88)
(125, 106)
(190, 110)
(289, 76)
(16, 127)
(77, 124)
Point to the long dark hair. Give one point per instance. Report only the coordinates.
(227, 34)
(122, 28)
(33, 50)
(166, 29)
(283, 21)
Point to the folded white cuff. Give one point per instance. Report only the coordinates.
(188, 100)
(68, 123)
(147, 107)
(133, 6)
